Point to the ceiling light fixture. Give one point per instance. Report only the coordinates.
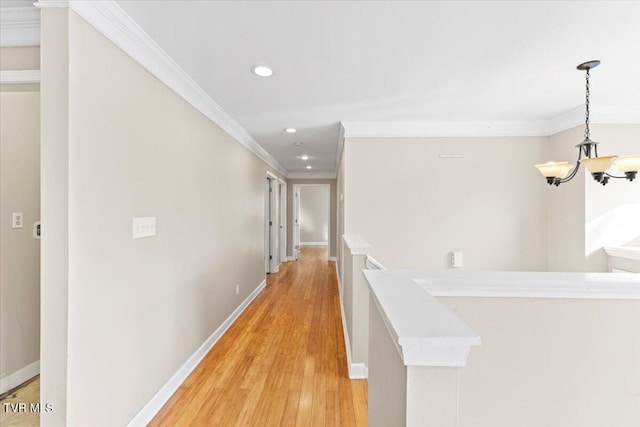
(305, 157)
(290, 130)
(262, 71)
(308, 167)
(557, 173)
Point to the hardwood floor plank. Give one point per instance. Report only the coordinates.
(282, 363)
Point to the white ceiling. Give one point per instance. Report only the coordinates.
(394, 61)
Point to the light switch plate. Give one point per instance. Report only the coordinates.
(17, 220)
(144, 227)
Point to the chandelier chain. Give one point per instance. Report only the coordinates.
(587, 133)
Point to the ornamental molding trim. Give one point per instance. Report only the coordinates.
(19, 76)
(108, 18)
(19, 25)
(425, 129)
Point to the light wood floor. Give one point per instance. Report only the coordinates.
(27, 393)
(282, 363)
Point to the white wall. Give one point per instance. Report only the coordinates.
(137, 309)
(584, 216)
(612, 212)
(419, 207)
(314, 214)
(19, 250)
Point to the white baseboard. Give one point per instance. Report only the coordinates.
(314, 243)
(18, 377)
(357, 371)
(162, 396)
(332, 258)
(291, 258)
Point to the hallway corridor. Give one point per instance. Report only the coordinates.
(282, 363)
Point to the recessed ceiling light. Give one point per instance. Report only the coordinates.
(298, 144)
(305, 157)
(262, 71)
(308, 167)
(290, 130)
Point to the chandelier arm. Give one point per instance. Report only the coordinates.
(571, 175)
(613, 176)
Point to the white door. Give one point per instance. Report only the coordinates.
(296, 221)
(271, 223)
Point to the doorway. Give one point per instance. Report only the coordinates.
(272, 224)
(311, 216)
(282, 195)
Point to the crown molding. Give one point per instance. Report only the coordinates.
(19, 26)
(353, 129)
(339, 148)
(19, 76)
(567, 120)
(51, 3)
(311, 175)
(603, 114)
(114, 23)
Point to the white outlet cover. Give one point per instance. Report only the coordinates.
(456, 259)
(17, 220)
(144, 227)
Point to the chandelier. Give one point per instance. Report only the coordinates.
(600, 167)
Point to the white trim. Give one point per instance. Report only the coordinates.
(311, 175)
(51, 3)
(357, 371)
(356, 244)
(604, 114)
(356, 129)
(290, 258)
(156, 403)
(109, 19)
(424, 331)
(314, 243)
(627, 252)
(332, 258)
(567, 120)
(373, 264)
(19, 26)
(516, 284)
(339, 148)
(19, 76)
(19, 377)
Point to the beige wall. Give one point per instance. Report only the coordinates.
(19, 58)
(566, 207)
(314, 214)
(551, 362)
(19, 250)
(418, 208)
(387, 398)
(137, 309)
(332, 207)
